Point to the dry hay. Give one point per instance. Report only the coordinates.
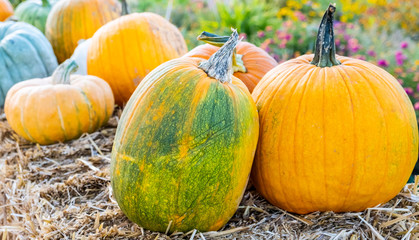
(62, 191)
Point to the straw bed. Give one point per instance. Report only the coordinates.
(62, 191)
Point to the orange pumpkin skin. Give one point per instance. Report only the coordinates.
(6, 10)
(132, 46)
(45, 113)
(256, 60)
(72, 20)
(341, 138)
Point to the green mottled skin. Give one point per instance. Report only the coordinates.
(25, 53)
(183, 149)
(34, 12)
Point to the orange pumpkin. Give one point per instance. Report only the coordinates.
(58, 108)
(336, 133)
(72, 20)
(250, 63)
(6, 10)
(130, 47)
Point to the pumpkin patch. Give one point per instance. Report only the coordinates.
(285, 129)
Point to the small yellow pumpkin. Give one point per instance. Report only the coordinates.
(58, 108)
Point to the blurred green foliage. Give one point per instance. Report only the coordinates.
(247, 17)
(16, 2)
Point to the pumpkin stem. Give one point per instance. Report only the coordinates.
(219, 66)
(62, 74)
(325, 54)
(219, 41)
(45, 3)
(125, 10)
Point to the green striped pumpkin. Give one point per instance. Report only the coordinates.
(34, 12)
(184, 146)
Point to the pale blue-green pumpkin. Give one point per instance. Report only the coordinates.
(25, 53)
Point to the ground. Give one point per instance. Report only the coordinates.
(62, 191)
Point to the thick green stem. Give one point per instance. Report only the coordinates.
(325, 53)
(45, 3)
(219, 66)
(219, 41)
(125, 10)
(62, 74)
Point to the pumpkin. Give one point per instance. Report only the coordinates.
(131, 46)
(250, 63)
(72, 20)
(184, 146)
(34, 12)
(25, 53)
(58, 108)
(336, 133)
(6, 10)
(80, 56)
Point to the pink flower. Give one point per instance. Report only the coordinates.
(417, 106)
(268, 41)
(404, 45)
(337, 42)
(243, 35)
(288, 37)
(300, 16)
(265, 46)
(409, 90)
(371, 53)
(261, 34)
(400, 57)
(283, 44)
(337, 24)
(287, 24)
(401, 81)
(346, 37)
(280, 34)
(382, 63)
(361, 57)
(353, 45)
